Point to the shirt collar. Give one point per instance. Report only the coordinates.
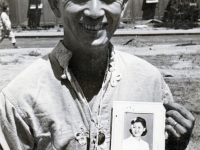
(62, 54)
(133, 138)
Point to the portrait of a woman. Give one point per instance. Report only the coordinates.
(135, 141)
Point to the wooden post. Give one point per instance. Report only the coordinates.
(19, 28)
(132, 12)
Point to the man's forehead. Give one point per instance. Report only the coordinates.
(120, 1)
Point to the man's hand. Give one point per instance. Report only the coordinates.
(179, 125)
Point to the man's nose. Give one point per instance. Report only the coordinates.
(94, 9)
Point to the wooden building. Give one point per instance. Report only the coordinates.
(19, 10)
(135, 9)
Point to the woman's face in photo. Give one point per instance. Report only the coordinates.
(137, 129)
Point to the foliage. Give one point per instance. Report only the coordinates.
(181, 14)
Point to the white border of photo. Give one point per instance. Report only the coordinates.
(152, 1)
(121, 108)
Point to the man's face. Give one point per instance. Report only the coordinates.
(92, 22)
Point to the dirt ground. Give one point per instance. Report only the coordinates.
(180, 66)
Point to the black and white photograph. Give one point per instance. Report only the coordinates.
(138, 126)
(152, 1)
(99, 74)
(140, 131)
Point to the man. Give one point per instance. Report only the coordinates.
(34, 13)
(64, 100)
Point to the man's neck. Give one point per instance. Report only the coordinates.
(137, 138)
(88, 60)
(88, 66)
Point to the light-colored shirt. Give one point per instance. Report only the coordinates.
(40, 110)
(5, 21)
(132, 143)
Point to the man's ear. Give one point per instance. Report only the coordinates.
(54, 4)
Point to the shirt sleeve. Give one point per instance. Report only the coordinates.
(14, 132)
(6, 21)
(166, 92)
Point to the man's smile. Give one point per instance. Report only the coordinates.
(93, 27)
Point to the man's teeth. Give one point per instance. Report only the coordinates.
(92, 27)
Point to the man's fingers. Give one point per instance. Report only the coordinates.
(170, 105)
(171, 130)
(176, 126)
(180, 119)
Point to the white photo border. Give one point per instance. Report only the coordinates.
(152, 1)
(120, 108)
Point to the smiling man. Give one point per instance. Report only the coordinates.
(63, 101)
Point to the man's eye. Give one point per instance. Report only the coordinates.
(78, 1)
(109, 1)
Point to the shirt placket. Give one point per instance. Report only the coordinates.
(92, 116)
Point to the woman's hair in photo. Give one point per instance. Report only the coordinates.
(142, 121)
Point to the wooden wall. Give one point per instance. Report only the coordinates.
(133, 11)
(19, 9)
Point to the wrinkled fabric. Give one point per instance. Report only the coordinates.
(5, 21)
(39, 110)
